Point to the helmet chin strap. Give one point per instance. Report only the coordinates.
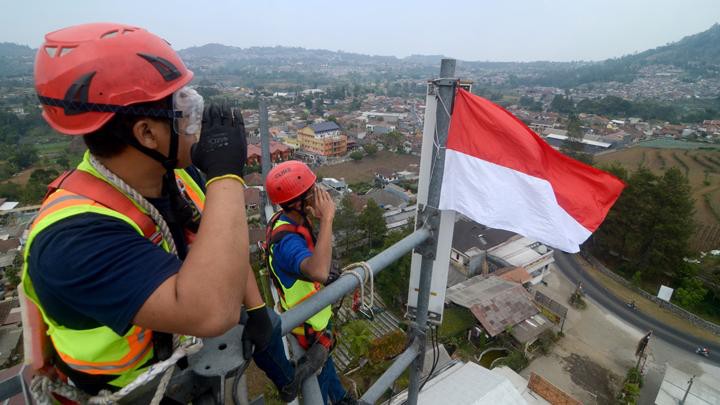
(182, 212)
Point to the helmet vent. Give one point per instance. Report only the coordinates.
(65, 51)
(77, 93)
(109, 35)
(168, 71)
(51, 51)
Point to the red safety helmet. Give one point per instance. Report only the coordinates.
(288, 181)
(86, 73)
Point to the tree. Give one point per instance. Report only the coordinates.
(650, 225)
(562, 104)
(573, 146)
(370, 149)
(393, 282)
(24, 156)
(373, 224)
(691, 294)
(356, 155)
(345, 224)
(393, 140)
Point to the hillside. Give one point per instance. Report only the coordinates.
(697, 55)
(15, 60)
(702, 167)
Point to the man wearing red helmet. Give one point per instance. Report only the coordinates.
(108, 262)
(300, 262)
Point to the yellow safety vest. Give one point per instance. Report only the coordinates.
(97, 351)
(300, 290)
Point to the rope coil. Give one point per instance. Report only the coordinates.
(368, 274)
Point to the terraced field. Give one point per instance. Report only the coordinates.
(702, 167)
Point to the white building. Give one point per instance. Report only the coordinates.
(519, 251)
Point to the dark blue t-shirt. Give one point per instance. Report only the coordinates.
(92, 270)
(288, 253)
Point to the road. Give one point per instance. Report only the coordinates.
(593, 290)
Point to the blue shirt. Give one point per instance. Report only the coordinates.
(92, 270)
(287, 255)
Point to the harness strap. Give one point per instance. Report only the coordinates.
(85, 184)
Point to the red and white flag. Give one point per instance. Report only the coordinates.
(501, 174)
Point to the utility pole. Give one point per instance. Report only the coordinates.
(641, 347)
(444, 88)
(265, 154)
(687, 391)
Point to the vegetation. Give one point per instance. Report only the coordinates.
(370, 149)
(456, 322)
(392, 283)
(631, 387)
(358, 336)
(356, 155)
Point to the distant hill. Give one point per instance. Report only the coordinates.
(697, 55)
(281, 54)
(14, 50)
(15, 60)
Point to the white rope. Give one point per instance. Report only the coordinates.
(367, 275)
(43, 386)
(137, 198)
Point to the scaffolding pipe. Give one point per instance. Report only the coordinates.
(342, 286)
(310, 387)
(387, 379)
(444, 90)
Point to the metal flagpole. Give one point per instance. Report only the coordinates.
(444, 87)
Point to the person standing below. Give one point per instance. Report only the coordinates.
(300, 261)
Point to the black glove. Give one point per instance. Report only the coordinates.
(258, 331)
(333, 275)
(222, 148)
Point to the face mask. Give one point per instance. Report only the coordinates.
(190, 104)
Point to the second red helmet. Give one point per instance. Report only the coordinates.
(288, 181)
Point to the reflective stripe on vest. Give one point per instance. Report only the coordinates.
(98, 351)
(299, 292)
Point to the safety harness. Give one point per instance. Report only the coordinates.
(80, 187)
(306, 335)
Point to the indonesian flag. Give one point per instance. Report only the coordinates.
(500, 173)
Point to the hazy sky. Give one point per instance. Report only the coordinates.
(510, 30)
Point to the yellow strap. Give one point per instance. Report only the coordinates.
(256, 307)
(226, 176)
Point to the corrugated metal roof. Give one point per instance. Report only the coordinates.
(470, 384)
(496, 303)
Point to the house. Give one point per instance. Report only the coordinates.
(519, 251)
(468, 383)
(470, 240)
(385, 176)
(278, 153)
(323, 139)
(500, 306)
(338, 185)
(386, 199)
(399, 217)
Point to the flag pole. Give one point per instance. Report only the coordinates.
(444, 88)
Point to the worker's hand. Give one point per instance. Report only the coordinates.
(322, 206)
(258, 331)
(222, 148)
